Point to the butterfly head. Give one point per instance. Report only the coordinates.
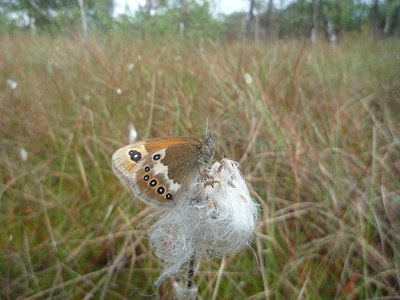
(207, 148)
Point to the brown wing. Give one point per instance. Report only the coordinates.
(125, 159)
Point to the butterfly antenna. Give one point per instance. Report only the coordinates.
(220, 122)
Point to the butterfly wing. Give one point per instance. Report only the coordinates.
(146, 169)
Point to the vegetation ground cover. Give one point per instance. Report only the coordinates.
(314, 127)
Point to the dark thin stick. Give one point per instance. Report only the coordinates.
(190, 272)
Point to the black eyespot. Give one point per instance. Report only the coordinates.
(156, 156)
(135, 155)
(146, 177)
(161, 190)
(153, 182)
(147, 169)
(169, 196)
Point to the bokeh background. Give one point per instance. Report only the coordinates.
(312, 91)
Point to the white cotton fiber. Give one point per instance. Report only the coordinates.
(219, 217)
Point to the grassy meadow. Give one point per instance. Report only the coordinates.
(316, 129)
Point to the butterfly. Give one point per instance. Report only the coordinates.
(160, 171)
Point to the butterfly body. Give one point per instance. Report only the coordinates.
(160, 171)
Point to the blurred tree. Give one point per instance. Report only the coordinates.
(148, 6)
(314, 30)
(391, 12)
(295, 19)
(302, 18)
(82, 7)
(333, 16)
(184, 16)
(58, 14)
(250, 24)
(397, 25)
(299, 18)
(254, 18)
(101, 12)
(43, 13)
(344, 16)
(375, 17)
(189, 18)
(235, 25)
(269, 19)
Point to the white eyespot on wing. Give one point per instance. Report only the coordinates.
(160, 169)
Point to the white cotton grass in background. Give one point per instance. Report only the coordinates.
(130, 66)
(23, 154)
(118, 91)
(219, 218)
(12, 84)
(132, 136)
(248, 79)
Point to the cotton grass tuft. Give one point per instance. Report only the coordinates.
(23, 154)
(132, 136)
(12, 84)
(219, 218)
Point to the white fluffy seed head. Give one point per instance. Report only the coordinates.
(12, 84)
(183, 292)
(23, 154)
(132, 137)
(130, 66)
(248, 79)
(218, 217)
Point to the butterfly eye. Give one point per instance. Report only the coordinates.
(161, 190)
(156, 156)
(146, 177)
(153, 183)
(135, 155)
(169, 196)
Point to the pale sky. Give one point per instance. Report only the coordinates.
(221, 6)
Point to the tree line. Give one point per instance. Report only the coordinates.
(314, 19)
